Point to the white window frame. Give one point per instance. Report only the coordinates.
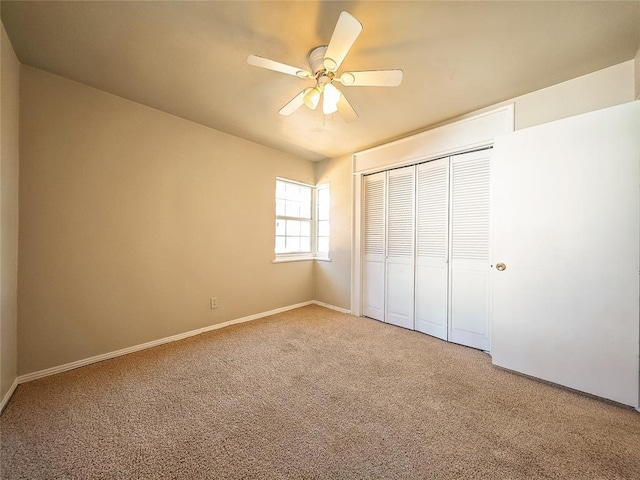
(313, 254)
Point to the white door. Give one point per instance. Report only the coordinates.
(469, 254)
(400, 240)
(373, 264)
(432, 247)
(565, 210)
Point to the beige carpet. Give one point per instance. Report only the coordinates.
(311, 393)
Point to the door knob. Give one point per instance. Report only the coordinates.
(501, 267)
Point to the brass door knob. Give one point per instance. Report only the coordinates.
(501, 267)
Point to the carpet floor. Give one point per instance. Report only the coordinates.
(311, 393)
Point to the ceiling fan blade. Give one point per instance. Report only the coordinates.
(345, 34)
(346, 111)
(277, 66)
(294, 104)
(372, 78)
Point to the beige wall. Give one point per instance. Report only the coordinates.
(601, 89)
(8, 214)
(332, 286)
(131, 219)
(604, 88)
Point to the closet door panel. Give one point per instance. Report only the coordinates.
(432, 234)
(374, 289)
(469, 294)
(400, 247)
(373, 265)
(469, 251)
(400, 293)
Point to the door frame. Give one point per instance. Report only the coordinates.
(469, 133)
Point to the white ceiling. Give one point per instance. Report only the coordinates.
(189, 58)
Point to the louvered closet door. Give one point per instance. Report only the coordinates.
(374, 246)
(469, 269)
(432, 247)
(400, 240)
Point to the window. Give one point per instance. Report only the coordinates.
(302, 221)
(322, 231)
(293, 217)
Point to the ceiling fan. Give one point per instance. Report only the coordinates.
(325, 61)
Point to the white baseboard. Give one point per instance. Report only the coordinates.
(332, 307)
(154, 343)
(7, 396)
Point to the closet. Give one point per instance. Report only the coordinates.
(426, 247)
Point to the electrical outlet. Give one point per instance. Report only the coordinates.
(213, 302)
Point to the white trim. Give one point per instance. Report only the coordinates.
(7, 397)
(474, 132)
(295, 181)
(154, 343)
(299, 258)
(106, 356)
(331, 307)
(356, 242)
(467, 134)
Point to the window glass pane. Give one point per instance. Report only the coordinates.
(305, 229)
(287, 190)
(293, 192)
(305, 195)
(293, 244)
(323, 244)
(305, 210)
(280, 208)
(293, 228)
(323, 228)
(292, 209)
(300, 193)
(323, 214)
(323, 196)
(280, 189)
(280, 245)
(280, 227)
(323, 204)
(305, 244)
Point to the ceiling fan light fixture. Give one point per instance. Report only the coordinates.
(331, 99)
(312, 98)
(329, 108)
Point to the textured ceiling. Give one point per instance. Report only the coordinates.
(189, 58)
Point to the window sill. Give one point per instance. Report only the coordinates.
(300, 259)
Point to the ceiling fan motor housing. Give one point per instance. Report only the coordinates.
(316, 58)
